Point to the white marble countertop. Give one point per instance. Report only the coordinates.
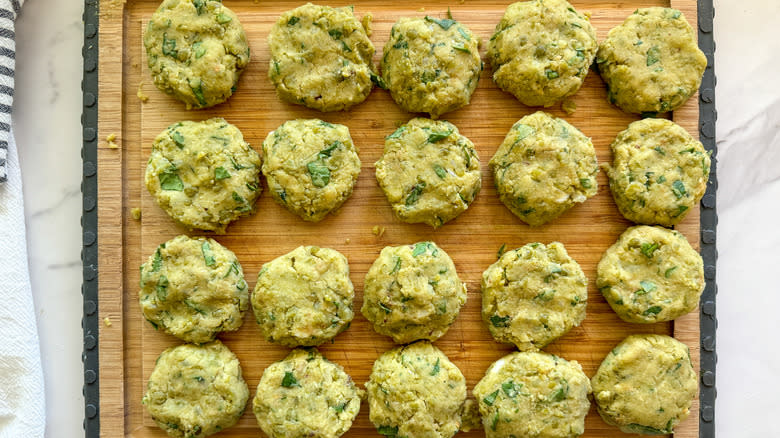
(48, 131)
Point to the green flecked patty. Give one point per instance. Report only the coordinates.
(530, 394)
(311, 166)
(651, 62)
(533, 295)
(651, 274)
(196, 51)
(304, 297)
(196, 390)
(305, 395)
(645, 385)
(431, 65)
(321, 58)
(203, 174)
(659, 172)
(193, 288)
(413, 292)
(415, 391)
(429, 172)
(541, 51)
(544, 167)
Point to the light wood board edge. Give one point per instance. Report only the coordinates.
(110, 203)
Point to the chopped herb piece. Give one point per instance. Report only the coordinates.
(198, 378)
(463, 33)
(494, 422)
(444, 23)
(551, 74)
(336, 34)
(440, 172)
(500, 321)
(385, 308)
(585, 183)
(340, 407)
(501, 250)
(428, 76)
(511, 389)
(420, 248)
(387, 430)
(435, 136)
(461, 47)
(669, 271)
(378, 80)
(293, 20)
(661, 179)
(289, 380)
(401, 45)
(162, 288)
(689, 150)
(319, 172)
(436, 367)
(648, 249)
(490, 398)
(676, 14)
(221, 173)
(415, 193)
(523, 131)
(680, 210)
(169, 180)
(654, 310)
(653, 55)
(169, 47)
(327, 152)
(198, 49)
(560, 393)
(199, 5)
(397, 133)
(198, 92)
(223, 18)
(647, 287)
(678, 188)
(251, 186)
(449, 13)
(208, 256)
(157, 261)
(396, 264)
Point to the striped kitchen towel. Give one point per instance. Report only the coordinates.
(9, 9)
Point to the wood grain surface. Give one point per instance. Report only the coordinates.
(129, 346)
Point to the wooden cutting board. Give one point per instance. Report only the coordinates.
(129, 345)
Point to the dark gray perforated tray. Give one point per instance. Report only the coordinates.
(89, 189)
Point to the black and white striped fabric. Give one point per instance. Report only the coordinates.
(9, 9)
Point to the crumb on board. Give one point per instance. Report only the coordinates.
(569, 106)
(141, 95)
(378, 231)
(366, 22)
(347, 240)
(111, 140)
(107, 322)
(421, 10)
(135, 212)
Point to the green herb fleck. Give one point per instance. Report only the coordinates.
(560, 393)
(648, 249)
(436, 367)
(293, 20)
(523, 131)
(319, 172)
(397, 133)
(585, 183)
(340, 407)
(654, 310)
(444, 23)
(221, 173)
(223, 18)
(169, 47)
(678, 188)
(198, 92)
(396, 264)
(385, 308)
(169, 180)
(251, 186)
(421, 247)
(335, 33)
(208, 255)
(440, 172)
(500, 321)
(378, 80)
(661, 179)
(289, 380)
(653, 55)
(551, 74)
(647, 286)
(680, 210)
(435, 136)
(459, 46)
(676, 14)
(415, 193)
(669, 271)
(464, 34)
(157, 261)
(490, 398)
(178, 139)
(198, 49)
(162, 288)
(511, 389)
(387, 430)
(494, 422)
(501, 250)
